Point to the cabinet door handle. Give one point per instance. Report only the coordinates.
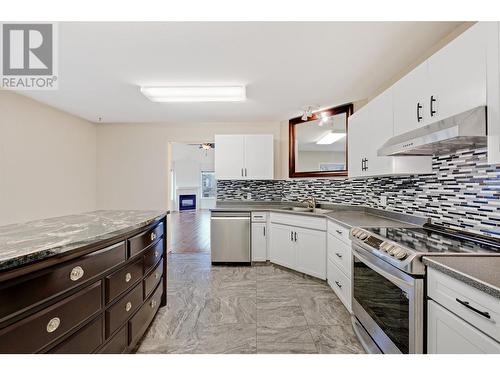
(338, 284)
(264, 228)
(241, 172)
(295, 237)
(419, 107)
(245, 172)
(338, 255)
(291, 235)
(433, 100)
(338, 231)
(467, 304)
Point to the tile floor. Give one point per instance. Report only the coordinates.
(260, 309)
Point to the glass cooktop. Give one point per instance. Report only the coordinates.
(427, 240)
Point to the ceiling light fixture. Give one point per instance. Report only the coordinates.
(194, 94)
(330, 138)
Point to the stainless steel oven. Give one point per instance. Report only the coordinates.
(387, 304)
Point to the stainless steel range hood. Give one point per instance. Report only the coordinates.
(467, 129)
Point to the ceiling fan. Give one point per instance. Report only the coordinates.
(204, 146)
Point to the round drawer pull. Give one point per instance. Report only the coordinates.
(76, 273)
(157, 275)
(128, 277)
(153, 236)
(153, 303)
(53, 324)
(128, 306)
(156, 254)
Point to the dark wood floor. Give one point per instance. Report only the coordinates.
(190, 231)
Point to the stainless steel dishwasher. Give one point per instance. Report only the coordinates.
(230, 237)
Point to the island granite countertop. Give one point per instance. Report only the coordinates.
(32, 241)
(480, 272)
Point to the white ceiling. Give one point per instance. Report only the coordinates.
(284, 65)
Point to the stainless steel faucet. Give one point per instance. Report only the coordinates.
(311, 202)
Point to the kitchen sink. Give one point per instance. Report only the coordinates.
(306, 209)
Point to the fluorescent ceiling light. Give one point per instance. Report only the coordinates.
(330, 138)
(178, 94)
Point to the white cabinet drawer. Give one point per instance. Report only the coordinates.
(259, 216)
(302, 221)
(448, 334)
(340, 284)
(339, 231)
(452, 294)
(340, 253)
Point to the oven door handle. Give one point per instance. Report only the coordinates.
(405, 285)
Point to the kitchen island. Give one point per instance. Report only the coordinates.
(83, 283)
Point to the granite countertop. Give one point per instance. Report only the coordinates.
(32, 241)
(347, 216)
(480, 272)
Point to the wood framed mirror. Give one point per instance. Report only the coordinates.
(318, 146)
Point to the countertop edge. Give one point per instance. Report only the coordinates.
(14, 264)
(482, 286)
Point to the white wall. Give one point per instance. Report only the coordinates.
(132, 162)
(47, 161)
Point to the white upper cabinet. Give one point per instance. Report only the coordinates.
(451, 81)
(229, 157)
(369, 128)
(244, 157)
(259, 158)
(409, 98)
(457, 75)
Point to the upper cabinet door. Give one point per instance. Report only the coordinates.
(493, 74)
(381, 116)
(229, 157)
(358, 142)
(410, 100)
(458, 75)
(259, 157)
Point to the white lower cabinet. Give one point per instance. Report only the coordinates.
(339, 259)
(259, 242)
(282, 249)
(311, 252)
(340, 283)
(448, 334)
(298, 248)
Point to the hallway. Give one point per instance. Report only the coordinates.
(190, 231)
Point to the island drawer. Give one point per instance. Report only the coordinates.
(124, 278)
(140, 242)
(141, 321)
(85, 341)
(152, 256)
(122, 310)
(32, 334)
(117, 344)
(152, 279)
(56, 280)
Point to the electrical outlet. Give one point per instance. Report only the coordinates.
(383, 200)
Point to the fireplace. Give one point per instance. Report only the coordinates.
(187, 202)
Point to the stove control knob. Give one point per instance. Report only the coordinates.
(355, 231)
(394, 250)
(401, 255)
(385, 246)
(363, 235)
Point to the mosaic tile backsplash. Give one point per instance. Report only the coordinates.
(463, 192)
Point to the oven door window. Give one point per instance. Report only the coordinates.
(385, 302)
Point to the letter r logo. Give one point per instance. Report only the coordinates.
(27, 49)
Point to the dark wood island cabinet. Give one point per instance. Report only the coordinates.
(96, 292)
